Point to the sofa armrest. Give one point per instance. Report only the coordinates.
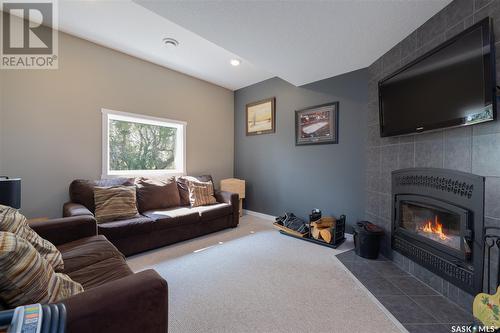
(136, 303)
(234, 200)
(66, 229)
(74, 209)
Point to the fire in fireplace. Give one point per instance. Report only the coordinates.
(432, 229)
(438, 218)
(432, 223)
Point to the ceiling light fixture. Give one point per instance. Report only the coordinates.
(170, 42)
(235, 62)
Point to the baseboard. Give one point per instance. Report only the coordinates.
(259, 215)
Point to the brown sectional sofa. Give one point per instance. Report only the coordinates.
(155, 228)
(114, 298)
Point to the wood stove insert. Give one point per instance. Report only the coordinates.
(437, 221)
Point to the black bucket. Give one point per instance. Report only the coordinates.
(367, 239)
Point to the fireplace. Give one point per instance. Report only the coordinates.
(438, 223)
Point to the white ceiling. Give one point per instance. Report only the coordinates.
(302, 41)
(130, 28)
(299, 41)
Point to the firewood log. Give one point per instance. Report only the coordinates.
(315, 233)
(324, 222)
(326, 234)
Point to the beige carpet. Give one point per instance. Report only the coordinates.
(253, 279)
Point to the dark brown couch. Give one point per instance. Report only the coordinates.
(114, 298)
(155, 228)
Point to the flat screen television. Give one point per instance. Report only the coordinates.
(451, 85)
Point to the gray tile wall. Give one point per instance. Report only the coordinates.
(473, 149)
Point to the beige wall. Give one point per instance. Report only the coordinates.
(1, 121)
(52, 118)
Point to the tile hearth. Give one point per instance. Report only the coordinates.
(414, 304)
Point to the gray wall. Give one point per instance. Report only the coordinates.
(51, 131)
(473, 149)
(282, 177)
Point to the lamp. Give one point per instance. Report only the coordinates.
(10, 192)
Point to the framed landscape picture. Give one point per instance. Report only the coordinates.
(261, 117)
(317, 124)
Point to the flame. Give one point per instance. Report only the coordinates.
(434, 228)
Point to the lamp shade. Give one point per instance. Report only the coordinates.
(10, 192)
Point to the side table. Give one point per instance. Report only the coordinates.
(236, 186)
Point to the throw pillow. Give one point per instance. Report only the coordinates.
(201, 193)
(115, 203)
(81, 191)
(157, 194)
(26, 277)
(13, 221)
(182, 184)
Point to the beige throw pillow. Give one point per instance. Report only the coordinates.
(13, 221)
(115, 203)
(201, 193)
(26, 277)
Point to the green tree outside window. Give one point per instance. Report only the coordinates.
(136, 146)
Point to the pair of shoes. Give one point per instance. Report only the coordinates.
(294, 223)
(284, 218)
(280, 219)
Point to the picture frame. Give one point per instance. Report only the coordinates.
(317, 125)
(261, 117)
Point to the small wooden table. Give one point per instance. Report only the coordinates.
(236, 186)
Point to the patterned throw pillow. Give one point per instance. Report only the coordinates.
(13, 221)
(26, 277)
(201, 193)
(114, 203)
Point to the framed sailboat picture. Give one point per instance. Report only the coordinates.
(261, 117)
(317, 124)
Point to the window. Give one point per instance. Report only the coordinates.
(141, 145)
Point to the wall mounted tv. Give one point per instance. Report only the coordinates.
(451, 85)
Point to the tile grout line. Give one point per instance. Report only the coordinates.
(389, 315)
(438, 294)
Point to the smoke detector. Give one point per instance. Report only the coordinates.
(170, 42)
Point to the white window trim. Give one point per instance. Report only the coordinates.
(139, 118)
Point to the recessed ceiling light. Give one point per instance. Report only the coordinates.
(235, 62)
(170, 42)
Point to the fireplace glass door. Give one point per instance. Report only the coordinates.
(441, 225)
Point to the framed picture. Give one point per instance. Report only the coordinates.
(261, 117)
(317, 124)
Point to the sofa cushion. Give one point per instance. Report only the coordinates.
(115, 203)
(81, 191)
(203, 212)
(13, 221)
(27, 278)
(87, 251)
(126, 228)
(201, 193)
(158, 214)
(100, 272)
(212, 212)
(182, 185)
(176, 222)
(157, 194)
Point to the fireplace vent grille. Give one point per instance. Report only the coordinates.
(457, 273)
(445, 184)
